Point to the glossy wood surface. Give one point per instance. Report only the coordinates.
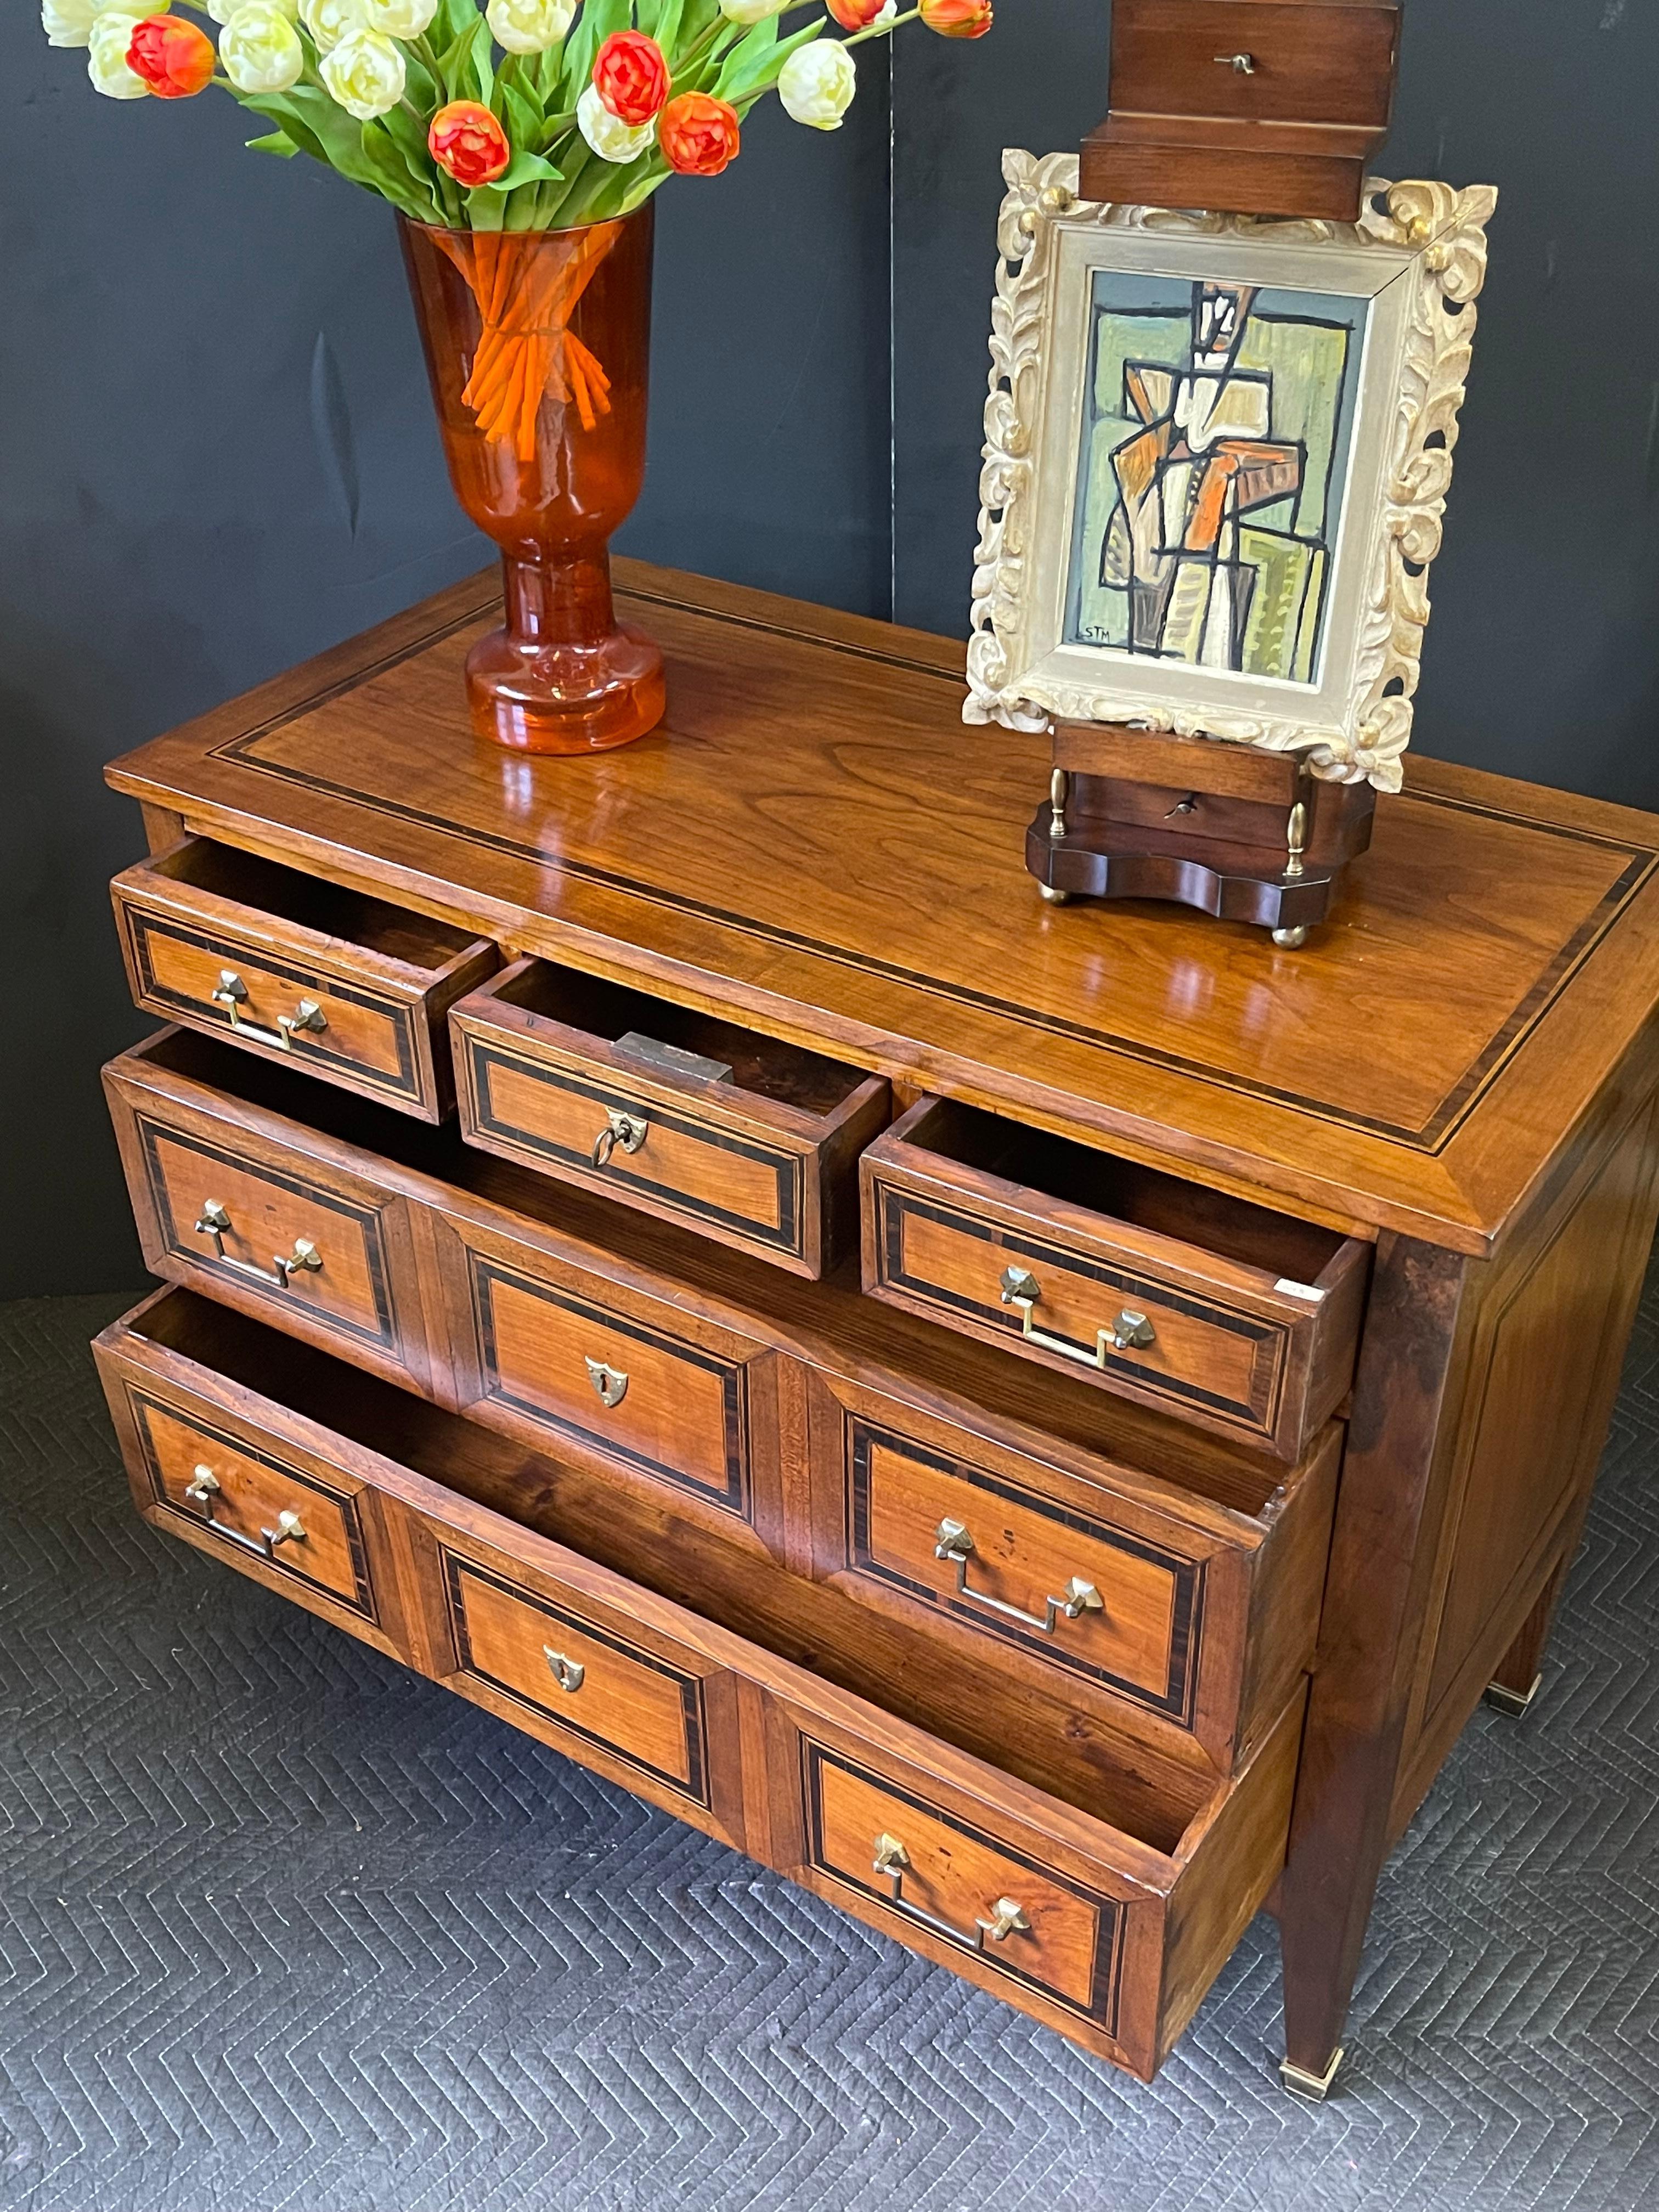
(1195, 1630)
(1379, 1567)
(1315, 61)
(1249, 1319)
(345, 985)
(762, 1425)
(250, 1496)
(764, 1157)
(634, 1703)
(180, 1153)
(1127, 1932)
(782, 853)
(1439, 1116)
(1286, 131)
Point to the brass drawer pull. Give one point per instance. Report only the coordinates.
(568, 1674)
(304, 1259)
(952, 1542)
(201, 1490)
(1243, 64)
(1131, 1332)
(627, 1130)
(610, 1382)
(232, 995)
(891, 1859)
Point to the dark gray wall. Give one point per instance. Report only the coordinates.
(217, 455)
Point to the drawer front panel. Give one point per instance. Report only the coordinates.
(685, 1169)
(368, 1042)
(1204, 1356)
(253, 1502)
(1115, 1609)
(1308, 63)
(957, 1883)
(631, 1391)
(576, 1679)
(219, 1213)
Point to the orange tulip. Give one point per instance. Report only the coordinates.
(174, 59)
(699, 135)
(854, 14)
(468, 143)
(957, 19)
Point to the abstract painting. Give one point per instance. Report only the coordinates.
(1217, 453)
(1218, 424)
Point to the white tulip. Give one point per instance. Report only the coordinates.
(226, 11)
(817, 84)
(752, 11)
(329, 20)
(528, 27)
(259, 49)
(106, 56)
(68, 23)
(400, 19)
(611, 139)
(365, 74)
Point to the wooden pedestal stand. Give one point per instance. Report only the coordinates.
(1245, 836)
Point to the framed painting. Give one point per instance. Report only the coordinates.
(1216, 454)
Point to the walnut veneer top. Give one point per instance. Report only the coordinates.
(815, 842)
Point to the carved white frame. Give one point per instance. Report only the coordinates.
(1418, 254)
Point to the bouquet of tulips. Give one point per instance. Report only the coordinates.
(524, 115)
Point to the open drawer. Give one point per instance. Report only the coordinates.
(1165, 1582)
(736, 1134)
(1207, 1306)
(341, 985)
(1096, 1888)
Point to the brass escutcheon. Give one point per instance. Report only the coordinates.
(627, 1130)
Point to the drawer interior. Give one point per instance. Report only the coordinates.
(1074, 1412)
(611, 1011)
(311, 904)
(1040, 1741)
(1144, 1197)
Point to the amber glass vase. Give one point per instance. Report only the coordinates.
(538, 344)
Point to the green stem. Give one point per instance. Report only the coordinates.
(881, 30)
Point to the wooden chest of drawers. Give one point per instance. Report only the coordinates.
(1039, 1425)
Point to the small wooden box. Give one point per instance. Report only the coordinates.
(1252, 106)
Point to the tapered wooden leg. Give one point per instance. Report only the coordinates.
(1375, 1597)
(1515, 1680)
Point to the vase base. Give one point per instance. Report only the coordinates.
(565, 699)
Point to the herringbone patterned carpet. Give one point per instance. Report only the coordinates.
(283, 1926)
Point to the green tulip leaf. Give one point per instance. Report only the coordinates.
(754, 65)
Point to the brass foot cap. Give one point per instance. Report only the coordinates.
(1054, 897)
(1314, 2087)
(1289, 940)
(1512, 1702)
